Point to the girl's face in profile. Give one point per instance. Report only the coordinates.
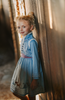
(24, 27)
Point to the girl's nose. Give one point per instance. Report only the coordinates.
(21, 28)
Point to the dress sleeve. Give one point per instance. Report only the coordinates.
(35, 57)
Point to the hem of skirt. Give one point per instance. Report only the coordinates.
(23, 92)
(13, 91)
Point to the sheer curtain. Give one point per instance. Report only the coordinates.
(19, 7)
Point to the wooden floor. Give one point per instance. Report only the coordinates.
(5, 78)
(7, 65)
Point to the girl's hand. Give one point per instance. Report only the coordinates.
(34, 84)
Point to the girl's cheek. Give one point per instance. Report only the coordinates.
(19, 30)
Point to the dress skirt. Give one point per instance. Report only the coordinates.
(26, 77)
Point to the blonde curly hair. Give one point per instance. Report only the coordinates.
(30, 18)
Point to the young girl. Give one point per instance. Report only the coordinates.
(28, 75)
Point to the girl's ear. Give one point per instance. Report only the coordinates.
(32, 27)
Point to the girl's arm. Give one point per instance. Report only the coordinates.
(34, 49)
(35, 57)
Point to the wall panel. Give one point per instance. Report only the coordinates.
(56, 43)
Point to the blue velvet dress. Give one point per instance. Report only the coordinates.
(30, 68)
